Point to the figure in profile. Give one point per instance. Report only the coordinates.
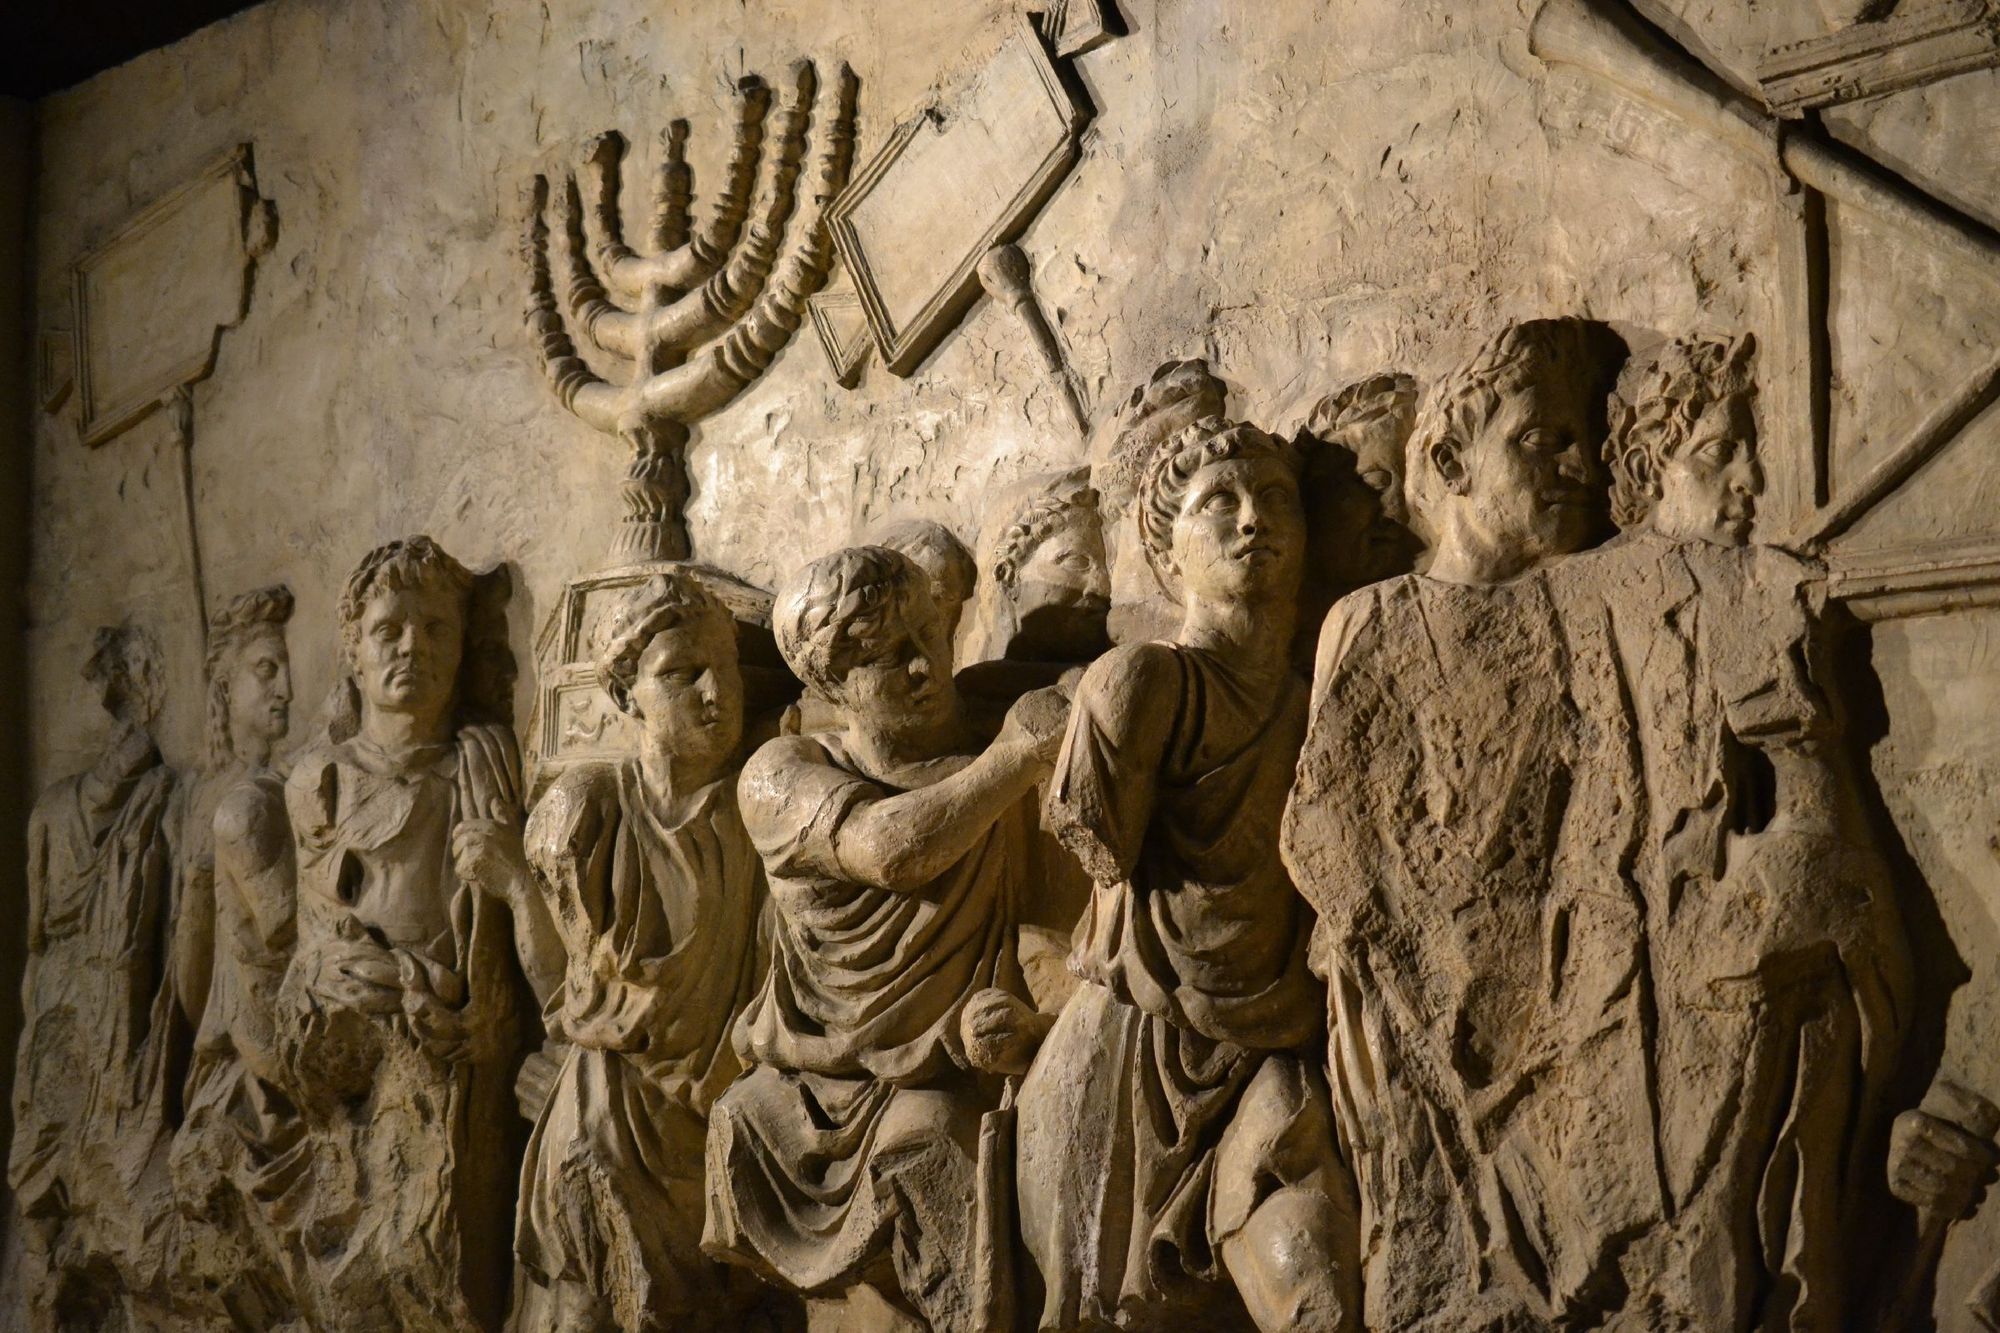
(1779, 970)
(1358, 525)
(1455, 824)
(98, 996)
(239, 1159)
(1051, 584)
(655, 893)
(1177, 1162)
(844, 1164)
(401, 999)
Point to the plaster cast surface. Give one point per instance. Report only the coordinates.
(1268, 206)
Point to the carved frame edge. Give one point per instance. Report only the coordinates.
(934, 321)
(236, 164)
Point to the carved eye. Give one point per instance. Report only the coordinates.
(1714, 452)
(1378, 480)
(1541, 441)
(387, 631)
(1217, 502)
(1073, 561)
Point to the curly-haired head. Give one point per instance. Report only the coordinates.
(841, 606)
(666, 601)
(229, 629)
(1164, 488)
(1534, 352)
(937, 551)
(1655, 418)
(1391, 395)
(1176, 396)
(1044, 515)
(485, 693)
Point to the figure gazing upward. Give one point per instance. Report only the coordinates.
(708, 309)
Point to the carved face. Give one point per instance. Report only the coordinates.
(406, 649)
(688, 691)
(1532, 474)
(1708, 489)
(1062, 589)
(260, 691)
(1240, 534)
(1359, 531)
(900, 686)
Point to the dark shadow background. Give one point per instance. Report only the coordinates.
(55, 43)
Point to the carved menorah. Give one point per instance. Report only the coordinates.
(708, 307)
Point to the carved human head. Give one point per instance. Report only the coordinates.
(422, 634)
(1683, 448)
(860, 628)
(1220, 517)
(944, 560)
(1351, 476)
(128, 669)
(1174, 397)
(666, 654)
(249, 674)
(1505, 458)
(1049, 566)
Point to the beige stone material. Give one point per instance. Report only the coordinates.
(1504, 842)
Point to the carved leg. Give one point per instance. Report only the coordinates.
(1294, 1262)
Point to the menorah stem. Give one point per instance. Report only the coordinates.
(654, 491)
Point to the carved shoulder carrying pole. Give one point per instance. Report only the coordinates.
(710, 307)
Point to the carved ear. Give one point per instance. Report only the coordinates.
(1638, 465)
(1450, 468)
(621, 698)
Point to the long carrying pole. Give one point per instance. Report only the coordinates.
(179, 405)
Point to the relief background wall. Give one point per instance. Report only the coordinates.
(1301, 193)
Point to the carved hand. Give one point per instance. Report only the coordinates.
(1937, 1167)
(487, 854)
(1001, 1033)
(537, 1079)
(1035, 724)
(358, 975)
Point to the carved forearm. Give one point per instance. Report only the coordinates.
(902, 843)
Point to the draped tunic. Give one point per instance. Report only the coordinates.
(411, 1135)
(851, 1142)
(659, 921)
(1178, 1088)
(94, 1097)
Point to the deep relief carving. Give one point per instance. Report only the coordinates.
(655, 892)
(897, 853)
(96, 1078)
(400, 1018)
(707, 309)
(1432, 869)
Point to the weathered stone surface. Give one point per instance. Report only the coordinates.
(1503, 841)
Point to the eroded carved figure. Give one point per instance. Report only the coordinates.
(655, 892)
(1177, 1155)
(1049, 577)
(1452, 825)
(846, 1163)
(1777, 969)
(1358, 524)
(400, 1010)
(95, 1088)
(239, 1160)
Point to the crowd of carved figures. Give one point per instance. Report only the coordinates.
(1407, 876)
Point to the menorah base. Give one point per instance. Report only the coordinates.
(639, 540)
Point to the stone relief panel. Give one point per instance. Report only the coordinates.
(1265, 777)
